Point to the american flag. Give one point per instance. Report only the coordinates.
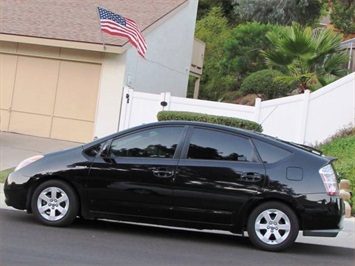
(115, 24)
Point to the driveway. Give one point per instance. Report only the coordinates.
(16, 147)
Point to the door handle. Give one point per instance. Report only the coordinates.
(165, 173)
(250, 177)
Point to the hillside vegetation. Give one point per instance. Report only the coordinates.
(342, 146)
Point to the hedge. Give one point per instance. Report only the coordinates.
(199, 117)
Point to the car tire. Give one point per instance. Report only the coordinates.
(273, 226)
(55, 203)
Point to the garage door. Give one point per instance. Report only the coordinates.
(47, 96)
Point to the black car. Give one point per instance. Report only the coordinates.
(186, 174)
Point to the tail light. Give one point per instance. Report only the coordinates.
(330, 180)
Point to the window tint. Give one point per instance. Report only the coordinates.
(270, 153)
(152, 143)
(216, 145)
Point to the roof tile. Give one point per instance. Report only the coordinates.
(77, 20)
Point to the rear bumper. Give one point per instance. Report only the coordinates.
(323, 216)
(322, 233)
(327, 232)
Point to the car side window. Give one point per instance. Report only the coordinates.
(158, 142)
(270, 153)
(216, 145)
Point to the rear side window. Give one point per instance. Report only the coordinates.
(215, 145)
(270, 153)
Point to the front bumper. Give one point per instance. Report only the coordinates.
(15, 194)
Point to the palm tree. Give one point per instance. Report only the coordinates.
(307, 57)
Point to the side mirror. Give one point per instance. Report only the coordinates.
(104, 152)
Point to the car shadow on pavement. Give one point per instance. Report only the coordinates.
(211, 236)
(220, 239)
(155, 231)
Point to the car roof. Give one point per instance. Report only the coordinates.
(247, 133)
(193, 123)
(180, 123)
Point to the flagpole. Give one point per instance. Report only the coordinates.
(102, 36)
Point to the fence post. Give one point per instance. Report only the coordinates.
(126, 108)
(257, 109)
(304, 117)
(167, 99)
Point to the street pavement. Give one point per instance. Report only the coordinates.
(16, 147)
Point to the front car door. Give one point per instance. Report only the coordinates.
(134, 175)
(218, 173)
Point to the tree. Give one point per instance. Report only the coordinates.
(283, 12)
(242, 50)
(213, 29)
(309, 58)
(227, 8)
(342, 15)
(265, 85)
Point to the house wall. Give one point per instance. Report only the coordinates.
(76, 95)
(110, 94)
(166, 67)
(168, 58)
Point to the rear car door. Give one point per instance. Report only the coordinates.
(218, 173)
(135, 175)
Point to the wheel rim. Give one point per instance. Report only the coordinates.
(272, 226)
(53, 203)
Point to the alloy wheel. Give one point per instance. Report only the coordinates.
(53, 203)
(272, 226)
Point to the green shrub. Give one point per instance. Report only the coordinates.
(342, 146)
(222, 120)
(265, 85)
(5, 173)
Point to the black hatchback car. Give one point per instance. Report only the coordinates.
(186, 174)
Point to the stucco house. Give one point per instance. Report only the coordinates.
(57, 79)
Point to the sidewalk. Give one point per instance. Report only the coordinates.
(16, 147)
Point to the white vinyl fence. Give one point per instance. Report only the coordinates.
(306, 118)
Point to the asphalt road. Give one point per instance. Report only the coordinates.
(23, 241)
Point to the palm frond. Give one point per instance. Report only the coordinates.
(327, 41)
(277, 58)
(306, 56)
(335, 61)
